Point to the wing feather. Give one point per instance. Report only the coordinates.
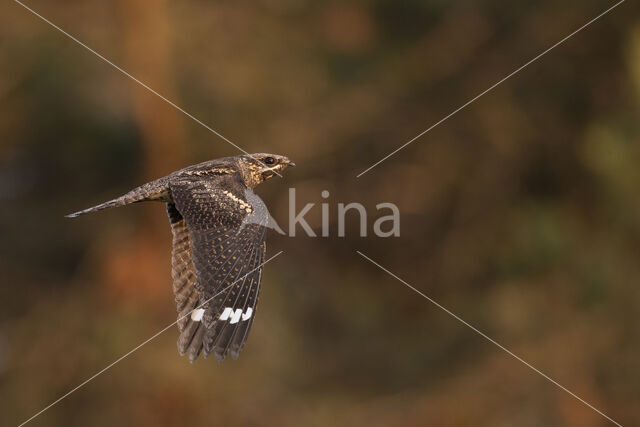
(226, 299)
(221, 346)
(242, 333)
(219, 242)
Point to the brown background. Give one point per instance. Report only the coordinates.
(521, 213)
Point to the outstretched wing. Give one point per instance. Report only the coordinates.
(226, 226)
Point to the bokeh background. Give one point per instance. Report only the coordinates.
(521, 213)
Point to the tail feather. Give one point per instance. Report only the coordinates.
(110, 204)
(155, 190)
(187, 334)
(191, 338)
(195, 347)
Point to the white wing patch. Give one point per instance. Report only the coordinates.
(247, 314)
(234, 316)
(226, 313)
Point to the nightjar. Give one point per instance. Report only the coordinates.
(219, 226)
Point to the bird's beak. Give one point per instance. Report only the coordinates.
(290, 163)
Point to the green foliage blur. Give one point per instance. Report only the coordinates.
(521, 213)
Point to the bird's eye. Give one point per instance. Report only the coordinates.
(269, 160)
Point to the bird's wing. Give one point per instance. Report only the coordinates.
(226, 226)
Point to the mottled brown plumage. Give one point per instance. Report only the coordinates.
(219, 226)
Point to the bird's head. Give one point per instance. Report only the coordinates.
(259, 167)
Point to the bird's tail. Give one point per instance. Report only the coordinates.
(155, 190)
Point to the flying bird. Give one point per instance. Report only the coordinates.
(219, 226)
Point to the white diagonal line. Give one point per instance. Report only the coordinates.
(513, 73)
(177, 107)
(139, 346)
(144, 85)
(488, 338)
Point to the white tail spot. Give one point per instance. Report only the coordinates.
(196, 315)
(247, 314)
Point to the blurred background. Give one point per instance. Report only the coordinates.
(521, 213)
